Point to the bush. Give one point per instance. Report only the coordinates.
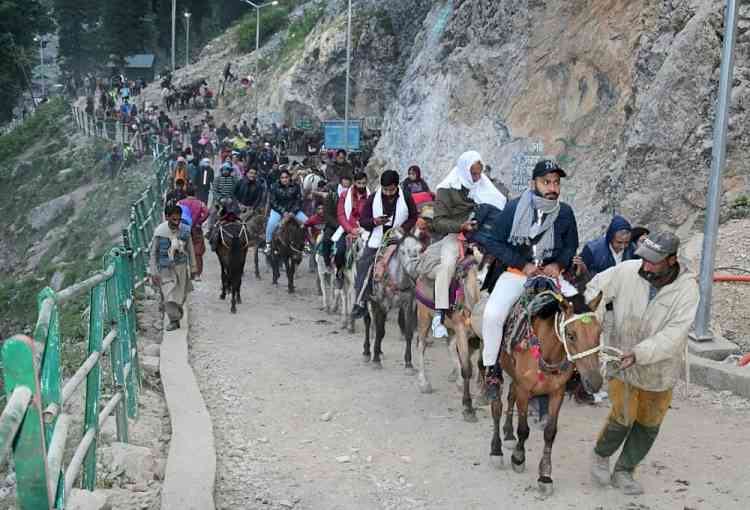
(272, 20)
(43, 123)
(299, 29)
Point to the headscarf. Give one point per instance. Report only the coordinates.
(618, 224)
(417, 171)
(482, 191)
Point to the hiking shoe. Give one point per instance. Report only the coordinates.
(358, 311)
(173, 325)
(624, 481)
(438, 330)
(600, 470)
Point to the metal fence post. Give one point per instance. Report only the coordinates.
(49, 337)
(93, 383)
(30, 450)
(124, 304)
(115, 351)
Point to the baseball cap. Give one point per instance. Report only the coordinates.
(659, 246)
(546, 166)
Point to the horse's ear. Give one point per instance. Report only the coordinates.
(594, 304)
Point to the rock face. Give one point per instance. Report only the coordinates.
(620, 92)
(44, 214)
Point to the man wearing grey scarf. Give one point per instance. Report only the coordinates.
(535, 235)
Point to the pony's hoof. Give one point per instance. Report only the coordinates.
(257, 277)
(497, 462)
(233, 310)
(222, 296)
(365, 358)
(410, 371)
(425, 387)
(518, 468)
(470, 416)
(546, 488)
(481, 400)
(377, 365)
(291, 290)
(276, 284)
(239, 300)
(351, 330)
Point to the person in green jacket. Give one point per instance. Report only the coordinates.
(458, 194)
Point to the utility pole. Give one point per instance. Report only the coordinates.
(258, 7)
(702, 331)
(174, 21)
(348, 69)
(187, 38)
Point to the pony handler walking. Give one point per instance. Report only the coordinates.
(172, 263)
(655, 301)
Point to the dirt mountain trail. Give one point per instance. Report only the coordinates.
(301, 422)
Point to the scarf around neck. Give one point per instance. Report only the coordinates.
(526, 227)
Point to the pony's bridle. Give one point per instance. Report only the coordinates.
(561, 325)
(607, 353)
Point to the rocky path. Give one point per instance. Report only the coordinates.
(301, 422)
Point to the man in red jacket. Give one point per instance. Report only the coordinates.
(350, 204)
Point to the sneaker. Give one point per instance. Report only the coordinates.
(358, 311)
(624, 481)
(438, 330)
(600, 470)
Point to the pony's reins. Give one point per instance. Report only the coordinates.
(607, 354)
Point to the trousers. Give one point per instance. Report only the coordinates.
(634, 419)
(275, 218)
(449, 253)
(508, 289)
(366, 260)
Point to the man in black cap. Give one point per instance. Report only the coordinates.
(389, 207)
(654, 301)
(536, 234)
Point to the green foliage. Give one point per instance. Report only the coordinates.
(19, 22)
(273, 19)
(298, 31)
(43, 124)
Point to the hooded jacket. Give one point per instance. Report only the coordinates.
(656, 330)
(597, 254)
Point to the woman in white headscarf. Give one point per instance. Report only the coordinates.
(464, 188)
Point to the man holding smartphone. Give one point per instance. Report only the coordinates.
(389, 207)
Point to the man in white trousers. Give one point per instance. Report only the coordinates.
(536, 234)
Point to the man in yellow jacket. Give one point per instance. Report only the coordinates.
(654, 302)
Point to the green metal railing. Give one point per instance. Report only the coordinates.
(34, 426)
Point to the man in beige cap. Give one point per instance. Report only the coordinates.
(654, 301)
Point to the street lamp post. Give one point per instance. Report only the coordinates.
(174, 22)
(258, 7)
(348, 68)
(187, 38)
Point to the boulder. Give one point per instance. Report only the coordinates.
(44, 214)
(150, 365)
(135, 464)
(86, 500)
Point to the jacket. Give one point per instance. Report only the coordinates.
(452, 208)
(656, 331)
(358, 201)
(198, 210)
(389, 209)
(566, 239)
(597, 254)
(224, 187)
(286, 199)
(249, 194)
(335, 171)
(162, 241)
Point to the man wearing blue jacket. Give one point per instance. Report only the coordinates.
(608, 250)
(536, 234)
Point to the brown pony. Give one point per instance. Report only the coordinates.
(256, 228)
(457, 322)
(287, 247)
(561, 334)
